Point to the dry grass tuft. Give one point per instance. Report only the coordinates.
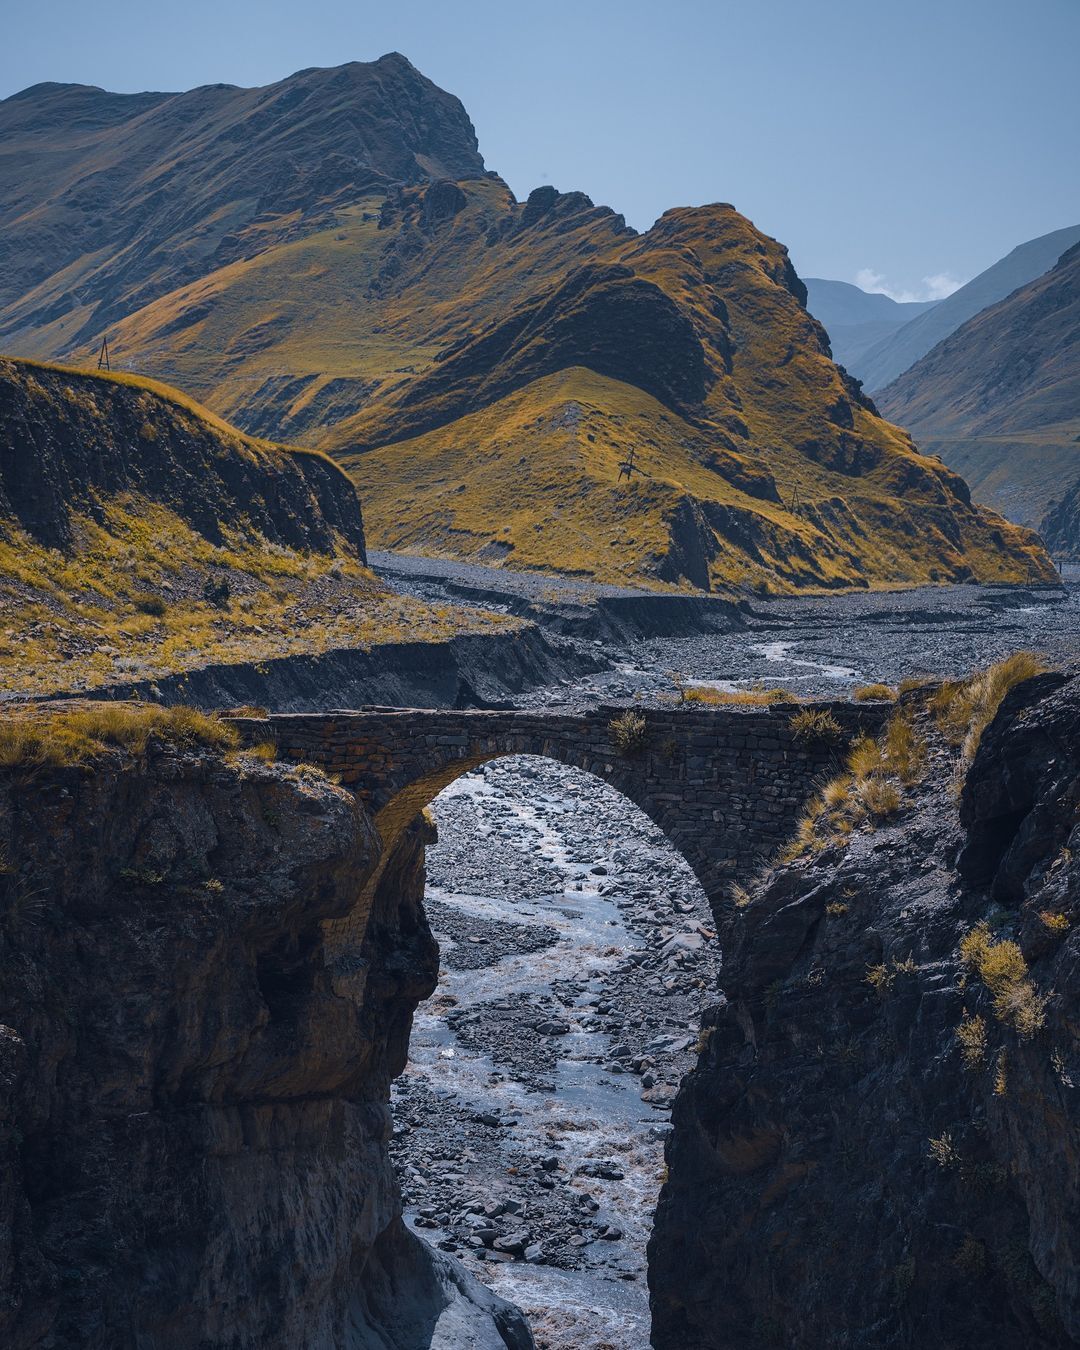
(904, 750)
(1002, 968)
(910, 683)
(868, 693)
(870, 791)
(879, 798)
(47, 739)
(756, 695)
(816, 727)
(965, 708)
(628, 732)
(971, 1034)
(864, 757)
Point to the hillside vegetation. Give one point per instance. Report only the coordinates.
(141, 536)
(484, 367)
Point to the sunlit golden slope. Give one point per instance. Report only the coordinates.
(483, 367)
(141, 536)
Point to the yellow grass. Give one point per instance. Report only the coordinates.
(127, 603)
(869, 792)
(536, 472)
(1002, 968)
(50, 739)
(965, 708)
(758, 695)
(867, 693)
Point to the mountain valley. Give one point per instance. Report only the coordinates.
(999, 401)
(462, 353)
(534, 815)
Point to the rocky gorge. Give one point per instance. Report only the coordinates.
(486, 860)
(195, 1122)
(877, 1146)
(544, 1038)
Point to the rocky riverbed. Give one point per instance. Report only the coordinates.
(577, 954)
(825, 646)
(817, 646)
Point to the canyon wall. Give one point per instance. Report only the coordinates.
(880, 1145)
(193, 1087)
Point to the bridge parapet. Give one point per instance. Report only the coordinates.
(726, 784)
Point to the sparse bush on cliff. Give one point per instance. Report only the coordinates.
(971, 1035)
(628, 732)
(904, 750)
(53, 739)
(965, 708)
(879, 798)
(871, 789)
(1002, 968)
(816, 727)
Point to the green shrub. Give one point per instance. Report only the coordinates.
(628, 732)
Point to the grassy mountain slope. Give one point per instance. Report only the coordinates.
(484, 366)
(140, 535)
(110, 200)
(893, 355)
(1000, 398)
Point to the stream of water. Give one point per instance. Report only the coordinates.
(566, 860)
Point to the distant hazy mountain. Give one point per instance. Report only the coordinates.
(999, 400)
(856, 319)
(900, 350)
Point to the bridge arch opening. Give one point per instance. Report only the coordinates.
(576, 954)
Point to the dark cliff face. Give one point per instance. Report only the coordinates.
(194, 1074)
(604, 318)
(874, 1150)
(69, 442)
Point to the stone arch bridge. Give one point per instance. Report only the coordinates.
(725, 783)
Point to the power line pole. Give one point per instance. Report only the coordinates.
(628, 468)
(103, 355)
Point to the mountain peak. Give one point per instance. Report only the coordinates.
(238, 159)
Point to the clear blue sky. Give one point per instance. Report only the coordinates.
(903, 139)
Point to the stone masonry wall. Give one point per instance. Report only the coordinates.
(726, 784)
